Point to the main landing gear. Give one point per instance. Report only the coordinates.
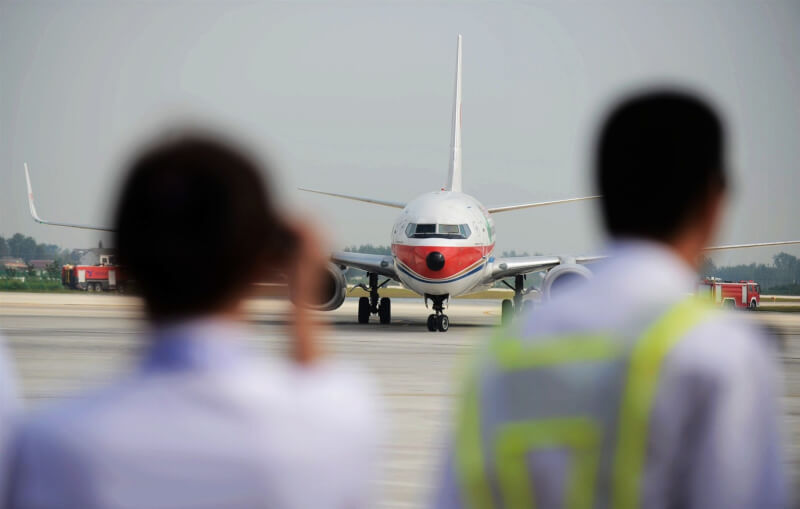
(518, 305)
(438, 320)
(374, 304)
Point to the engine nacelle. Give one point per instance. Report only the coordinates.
(333, 288)
(562, 275)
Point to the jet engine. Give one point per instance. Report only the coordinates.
(562, 275)
(333, 288)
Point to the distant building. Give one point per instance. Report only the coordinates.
(9, 263)
(40, 266)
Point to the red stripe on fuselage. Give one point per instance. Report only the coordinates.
(456, 258)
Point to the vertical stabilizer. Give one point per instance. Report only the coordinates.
(454, 177)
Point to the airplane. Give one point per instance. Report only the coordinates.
(442, 247)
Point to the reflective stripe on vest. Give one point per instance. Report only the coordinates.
(498, 470)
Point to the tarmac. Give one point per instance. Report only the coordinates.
(63, 343)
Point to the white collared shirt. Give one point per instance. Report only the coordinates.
(204, 424)
(714, 439)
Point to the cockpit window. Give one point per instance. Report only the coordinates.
(439, 231)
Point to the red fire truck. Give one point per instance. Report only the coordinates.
(744, 294)
(95, 278)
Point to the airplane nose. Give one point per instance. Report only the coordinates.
(435, 260)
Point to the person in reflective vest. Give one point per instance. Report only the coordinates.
(624, 391)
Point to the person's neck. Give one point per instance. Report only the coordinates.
(689, 248)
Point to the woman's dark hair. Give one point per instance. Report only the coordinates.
(195, 226)
(660, 157)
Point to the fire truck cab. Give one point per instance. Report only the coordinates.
(744, 294)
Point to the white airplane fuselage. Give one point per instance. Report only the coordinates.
(442, 244)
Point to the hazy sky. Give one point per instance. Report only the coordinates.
(356, 97)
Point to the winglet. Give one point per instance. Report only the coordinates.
(53, 223)
(454, 177)
(30, 196)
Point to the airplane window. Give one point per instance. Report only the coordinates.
(442, 231)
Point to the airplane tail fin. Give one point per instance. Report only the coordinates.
(454, 177)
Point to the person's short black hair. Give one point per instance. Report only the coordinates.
(195, 226)
(659, 159)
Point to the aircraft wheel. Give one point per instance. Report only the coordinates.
(385, 310)
(507, 312)
(442, 323)
(363, 310)
(432, 323)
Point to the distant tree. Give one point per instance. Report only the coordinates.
(369, 249)
(4, 250)
(54, 270)
(785, 270)
(15, 244)
(46, 251)
(22, 247)
(513, 253)
(707, 267)
(788, 267)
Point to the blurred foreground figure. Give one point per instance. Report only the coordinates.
(9, 406)
(204, 423)
(625, 392)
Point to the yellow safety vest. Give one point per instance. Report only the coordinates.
(607, 453)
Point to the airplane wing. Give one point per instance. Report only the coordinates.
(512, 266)
(757, 244)
(393, 204)
(515, 265)
(379, 264)
(38, 219)
(506, 208)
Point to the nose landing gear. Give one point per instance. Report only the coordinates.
(374, 304)
(438, 320)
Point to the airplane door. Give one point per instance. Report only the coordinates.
(81, 276)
